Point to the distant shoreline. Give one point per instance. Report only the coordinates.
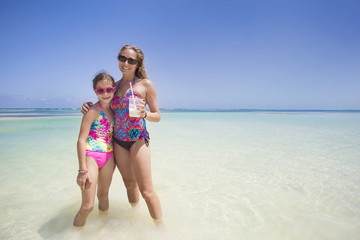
(21, 113)
(198, 110)
(66, 112)
(256, 110)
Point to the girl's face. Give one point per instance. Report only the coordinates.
(105, 90)
(126, 61)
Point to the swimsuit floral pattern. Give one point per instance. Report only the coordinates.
(127, 128)
(100, 135)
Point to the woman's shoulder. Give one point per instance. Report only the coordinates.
(146, 82)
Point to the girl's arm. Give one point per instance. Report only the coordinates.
(151, 99)
(86, 122)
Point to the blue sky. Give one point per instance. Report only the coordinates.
(268, 54)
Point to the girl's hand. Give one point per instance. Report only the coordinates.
(86, 106)
(84, 181)
(141, 108)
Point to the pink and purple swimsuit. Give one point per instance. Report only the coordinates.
(99, 145)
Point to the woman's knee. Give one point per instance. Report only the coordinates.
(147, 194)
(130, 183)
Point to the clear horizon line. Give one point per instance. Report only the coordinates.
(197, 109)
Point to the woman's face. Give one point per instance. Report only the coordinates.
(126, 67)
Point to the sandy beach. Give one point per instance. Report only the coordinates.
(219, 175)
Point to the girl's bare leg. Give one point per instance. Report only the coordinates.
(141, 161)
(104, 182)
(122, 160)
(88, 195)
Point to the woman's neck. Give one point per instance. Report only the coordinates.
(128, 78)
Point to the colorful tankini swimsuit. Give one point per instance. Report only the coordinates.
(99, 145)
(127, 130)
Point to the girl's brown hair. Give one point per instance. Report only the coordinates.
(103, 76)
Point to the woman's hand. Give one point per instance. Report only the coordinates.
(141, 108)
(83, 180)
(86, 106)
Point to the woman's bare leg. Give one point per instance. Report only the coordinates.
(122, 160)
(141, 161)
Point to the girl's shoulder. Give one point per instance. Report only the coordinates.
(94, 111)
(96, 106)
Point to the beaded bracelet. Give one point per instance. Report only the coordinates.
(82, 171)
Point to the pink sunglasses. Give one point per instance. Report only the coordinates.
(101, 91)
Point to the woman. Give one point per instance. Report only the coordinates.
(131, 139)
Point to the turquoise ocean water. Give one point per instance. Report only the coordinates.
(219, 175)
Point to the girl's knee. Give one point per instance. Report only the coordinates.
(87, 208)
(103, 195)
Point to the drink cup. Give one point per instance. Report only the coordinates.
(133, 112)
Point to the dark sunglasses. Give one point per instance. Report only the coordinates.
(101, 91)
(130, 60)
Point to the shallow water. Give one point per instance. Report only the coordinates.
(219, 175)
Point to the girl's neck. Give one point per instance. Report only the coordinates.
(104, 105)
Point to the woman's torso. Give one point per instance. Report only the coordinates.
(127, 128)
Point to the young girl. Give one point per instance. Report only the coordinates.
(95, 150)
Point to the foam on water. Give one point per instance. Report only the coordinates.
(230, 175)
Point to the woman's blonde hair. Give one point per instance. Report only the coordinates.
(140, 70)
